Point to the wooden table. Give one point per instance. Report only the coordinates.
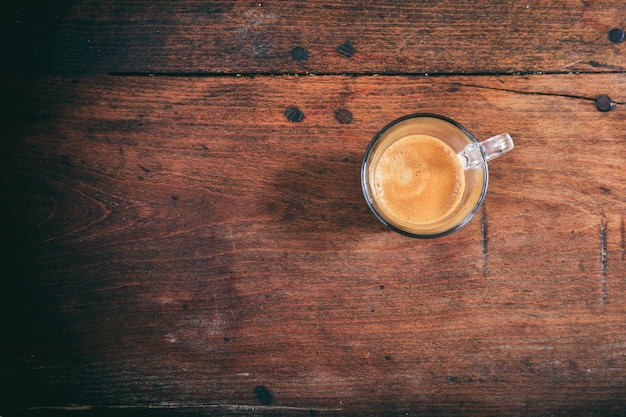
(184, 232)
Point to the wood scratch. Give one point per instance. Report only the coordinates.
(483, 240)
(622, 239)
(232, 239)
(602, 233)
(122, 162)
(533, 93)
(573, 63)
(528, 93)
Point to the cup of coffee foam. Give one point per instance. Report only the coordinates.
(425, 175)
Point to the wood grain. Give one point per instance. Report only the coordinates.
(176, 243)
(387, 37)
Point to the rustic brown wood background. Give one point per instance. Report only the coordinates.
(173, 244)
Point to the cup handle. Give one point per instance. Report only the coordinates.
(475, 155)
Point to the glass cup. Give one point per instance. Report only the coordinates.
(425, 175)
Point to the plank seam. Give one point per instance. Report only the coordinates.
(351, 74)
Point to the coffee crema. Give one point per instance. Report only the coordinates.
(418, 179)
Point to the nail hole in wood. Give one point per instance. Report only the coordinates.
(604, 103)
(616, 35)
(345, 50)
(343, 116)
(294, 114)
(299, 54)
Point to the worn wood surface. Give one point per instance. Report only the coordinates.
(177, 241)
(173, 244)
(301, 37)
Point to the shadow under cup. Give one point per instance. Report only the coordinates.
(455, 136)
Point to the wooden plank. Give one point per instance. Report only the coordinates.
(414, 37)
(178, 243)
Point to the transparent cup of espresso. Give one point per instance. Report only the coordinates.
(425, 175)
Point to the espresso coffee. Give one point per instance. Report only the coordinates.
(418, 179)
